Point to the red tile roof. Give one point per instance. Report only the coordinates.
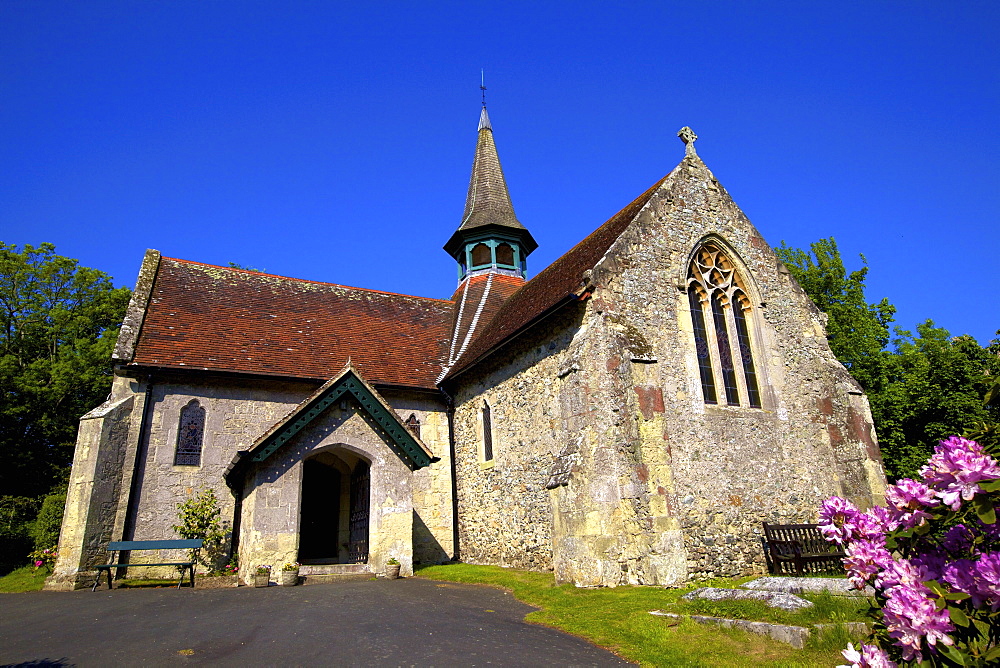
(206, 317)
(555, 283)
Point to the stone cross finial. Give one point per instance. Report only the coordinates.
(687, 136)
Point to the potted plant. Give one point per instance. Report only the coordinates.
(290, 574)
(392, 568)
(262, 576)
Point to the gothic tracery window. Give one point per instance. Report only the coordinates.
(720, 319)
(190, 434)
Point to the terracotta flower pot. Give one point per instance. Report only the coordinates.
(289, 578)
(392, 571)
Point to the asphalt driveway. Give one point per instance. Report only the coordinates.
(410, 622)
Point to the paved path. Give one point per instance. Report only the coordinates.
(410, 622)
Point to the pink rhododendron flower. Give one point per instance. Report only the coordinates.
(837, 517)
(908, 499)
(911, 616)
(886, 519)
(956, 468)
(988, 573)
(867, 656)
(866, 559)
(39, 563)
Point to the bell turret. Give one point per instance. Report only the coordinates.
(490, 239)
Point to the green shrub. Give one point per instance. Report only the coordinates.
(45, 529)
(198, 517)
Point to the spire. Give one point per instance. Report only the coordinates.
(489, 214)
(488, 200)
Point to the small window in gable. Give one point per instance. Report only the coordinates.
(721, 319)
(413, 424)
(190, 434)
(487, 433)
(481, 255)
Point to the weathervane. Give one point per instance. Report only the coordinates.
(482, 85)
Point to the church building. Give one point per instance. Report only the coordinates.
(630, 414)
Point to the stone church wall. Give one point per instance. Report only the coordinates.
(646, 483)
(235, 415)
(505, 515)
(725, 469)
(433, 533)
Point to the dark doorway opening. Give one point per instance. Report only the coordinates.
(319, 528)
(333, 521)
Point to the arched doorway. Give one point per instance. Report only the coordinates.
(333, 520)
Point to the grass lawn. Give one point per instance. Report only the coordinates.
(26, 578)
(619, 619)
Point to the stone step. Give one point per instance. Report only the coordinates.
(334, 569)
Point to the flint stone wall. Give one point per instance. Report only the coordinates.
(648, 483)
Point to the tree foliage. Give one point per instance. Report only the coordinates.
(858, 331)
(58, 325)
(922, 387)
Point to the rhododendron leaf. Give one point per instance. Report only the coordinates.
(990, 486)
(957, 616)
(982, 627)
(936, 587)
(992, 654)
(953, 654)
(956, 596)
(984, 510)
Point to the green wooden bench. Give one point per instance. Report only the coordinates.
(115, 547)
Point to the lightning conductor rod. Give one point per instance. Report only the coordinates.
(482, 85)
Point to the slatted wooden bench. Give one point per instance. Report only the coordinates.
(115, 547)
(799, 549)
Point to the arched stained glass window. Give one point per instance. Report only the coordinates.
(190, 434)
(721, 322)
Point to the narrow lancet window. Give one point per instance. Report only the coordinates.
(190, 433)
(487, 433)
(701, 347)
(746, 353)
(725, 352)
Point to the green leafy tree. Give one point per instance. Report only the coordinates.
(922, 389)
(58, 325)
(858, 330)
(935, 387)
(199, 517)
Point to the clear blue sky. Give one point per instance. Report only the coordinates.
(333, 141)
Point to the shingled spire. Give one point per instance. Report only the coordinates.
(490, 238)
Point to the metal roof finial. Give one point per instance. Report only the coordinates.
(482, 84)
